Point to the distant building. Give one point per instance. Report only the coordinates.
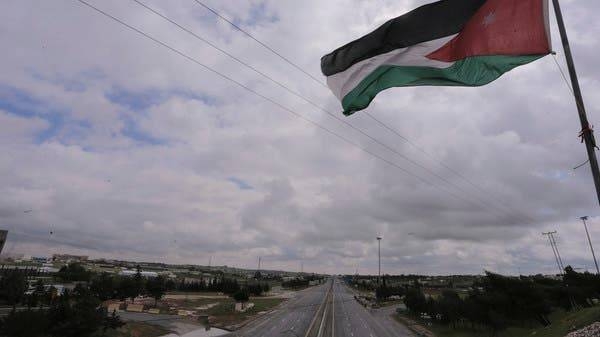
(14, 257)
(56, 289)
(146, 274)
(48, 269)
(39, 259)
(67, 258)
(3, 234)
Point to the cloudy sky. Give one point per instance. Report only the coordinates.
(123, 149)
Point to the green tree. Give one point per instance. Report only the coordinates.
(76, 314)
(138, 280)
(29, 323)
(415, 301)
(450, 307)
(103, 286)
(74, 272)
(241, 296)
(111, 322)
(12, 287)
(127, 288)
(156, 288)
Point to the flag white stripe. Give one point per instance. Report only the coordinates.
(343, 82)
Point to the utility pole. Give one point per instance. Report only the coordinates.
(379, 254)
(259, 258)
(554, 250)
(583, 218)
(587, 133)
(562, 266)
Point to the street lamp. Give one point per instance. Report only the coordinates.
(379, 254)
(583, 218)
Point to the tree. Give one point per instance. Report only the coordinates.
(31, 300)
(12, 287)
(383, 292)
(76, 314)
(241, 296)
(127, 288)
(103, 286)
(74, 272)
(170, 284)
(111, 322)
(257, 289)
(581, 287)
(29, 323)
(156, 288)
(415, 301)
(138, 280)
(450, 307)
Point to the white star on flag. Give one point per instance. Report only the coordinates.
(489, 19)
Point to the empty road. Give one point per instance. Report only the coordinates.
(353, 320)
(292, 318)
(328, 310)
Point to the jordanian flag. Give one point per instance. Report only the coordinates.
(446, 43)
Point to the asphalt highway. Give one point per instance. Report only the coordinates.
(291, 319)
(328, 310)
(354, 320)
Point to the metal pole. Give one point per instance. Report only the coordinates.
(586, 133)
(562, 266)
(553, 251)
(583, 218)
(379, 254)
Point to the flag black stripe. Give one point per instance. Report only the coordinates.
(428, 22)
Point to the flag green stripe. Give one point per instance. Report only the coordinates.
(472, 71)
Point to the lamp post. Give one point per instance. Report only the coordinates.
(583, 218)
(379, 254)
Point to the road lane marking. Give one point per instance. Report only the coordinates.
(333, 313)
(315, 317)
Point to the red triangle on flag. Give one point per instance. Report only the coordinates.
(500, 27)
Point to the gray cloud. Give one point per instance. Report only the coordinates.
(125, 150)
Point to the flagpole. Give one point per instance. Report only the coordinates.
(586, 132)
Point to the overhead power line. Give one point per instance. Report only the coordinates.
(272, 101)
(319, 107)
(260, 42)
(392, 130)
(440, 163)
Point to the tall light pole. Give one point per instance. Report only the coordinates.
(583, 218)
(379, 254)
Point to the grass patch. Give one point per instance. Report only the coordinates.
(390, 303)
(195, 293)
(136, 329)
(562, 323)
(224, 312)
(264, 304)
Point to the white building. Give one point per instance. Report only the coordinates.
(146, 274)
